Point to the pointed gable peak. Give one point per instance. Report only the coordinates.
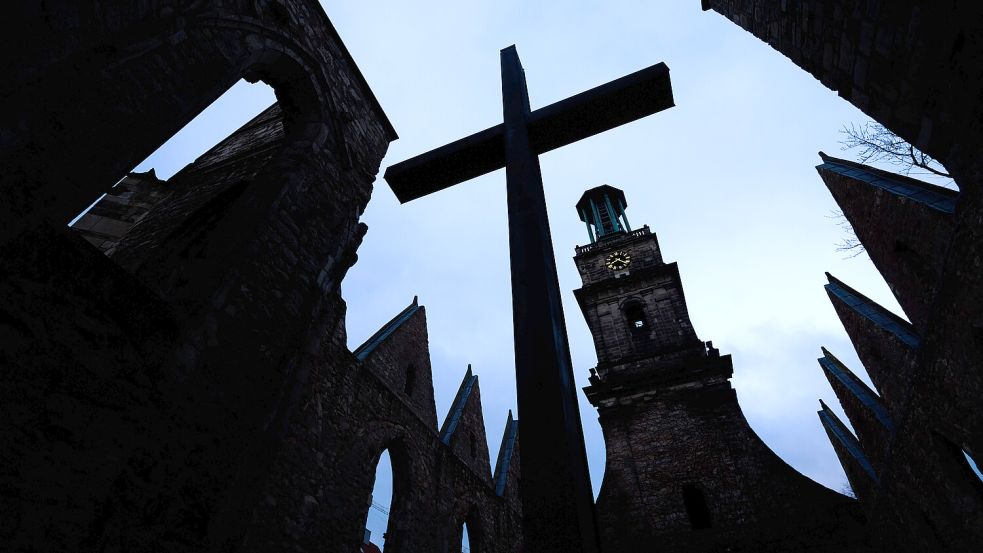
(457, 408)
(932, 196)
(380, 336)
(506, 454)
(835, 369)
(463, 431)
(872, 311)
(844, 439)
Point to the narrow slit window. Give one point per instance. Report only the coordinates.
(410, 381)
(696, 507)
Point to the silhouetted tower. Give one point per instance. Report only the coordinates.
(632, 300)
(681, 457)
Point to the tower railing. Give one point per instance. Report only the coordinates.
(613, 240)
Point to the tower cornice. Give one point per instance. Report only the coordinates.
(626, 388)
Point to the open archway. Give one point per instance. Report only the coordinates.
(465, 541)
(380, 502)
(387, 504)
(467, 535)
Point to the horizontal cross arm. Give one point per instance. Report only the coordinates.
(461, 160)
(605, 107)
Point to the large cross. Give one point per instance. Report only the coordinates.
(557, 501)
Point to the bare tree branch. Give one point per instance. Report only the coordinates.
(850, 244)
(877, 143)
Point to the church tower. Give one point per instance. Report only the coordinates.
(684, 469)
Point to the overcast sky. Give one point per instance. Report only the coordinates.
(726, 179)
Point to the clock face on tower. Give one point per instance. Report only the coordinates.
(618, 260)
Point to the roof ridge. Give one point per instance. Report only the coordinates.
(457, 408)
(846, 438)
(858, 387)
(945, 198)
(903, 329)
(505, 453)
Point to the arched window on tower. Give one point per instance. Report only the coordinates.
(696, 507)
(635, 316)
(410, 381)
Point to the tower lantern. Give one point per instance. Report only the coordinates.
(603, 209)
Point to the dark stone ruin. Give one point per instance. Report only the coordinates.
(917, 68)
(175, 369)
(176, 375)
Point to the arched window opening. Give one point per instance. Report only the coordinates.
(409, 383)
(380, 504)
(636, 317)
(112, 214)
(696, 507)
(473, 442)
(466, 540)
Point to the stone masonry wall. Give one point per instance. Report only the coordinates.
(124, 205)
(318, 496)
(926, 497)
(917, 68)
(146, 416)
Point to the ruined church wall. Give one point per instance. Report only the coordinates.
(142, 422)
(914, 67)
(80, 357)
(318, 496)
(143, 70)
(925, 497)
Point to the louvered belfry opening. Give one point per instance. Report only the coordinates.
(603, 210)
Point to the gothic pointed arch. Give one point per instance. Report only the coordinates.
(366, 449)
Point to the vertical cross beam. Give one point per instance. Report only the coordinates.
(557, 501)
